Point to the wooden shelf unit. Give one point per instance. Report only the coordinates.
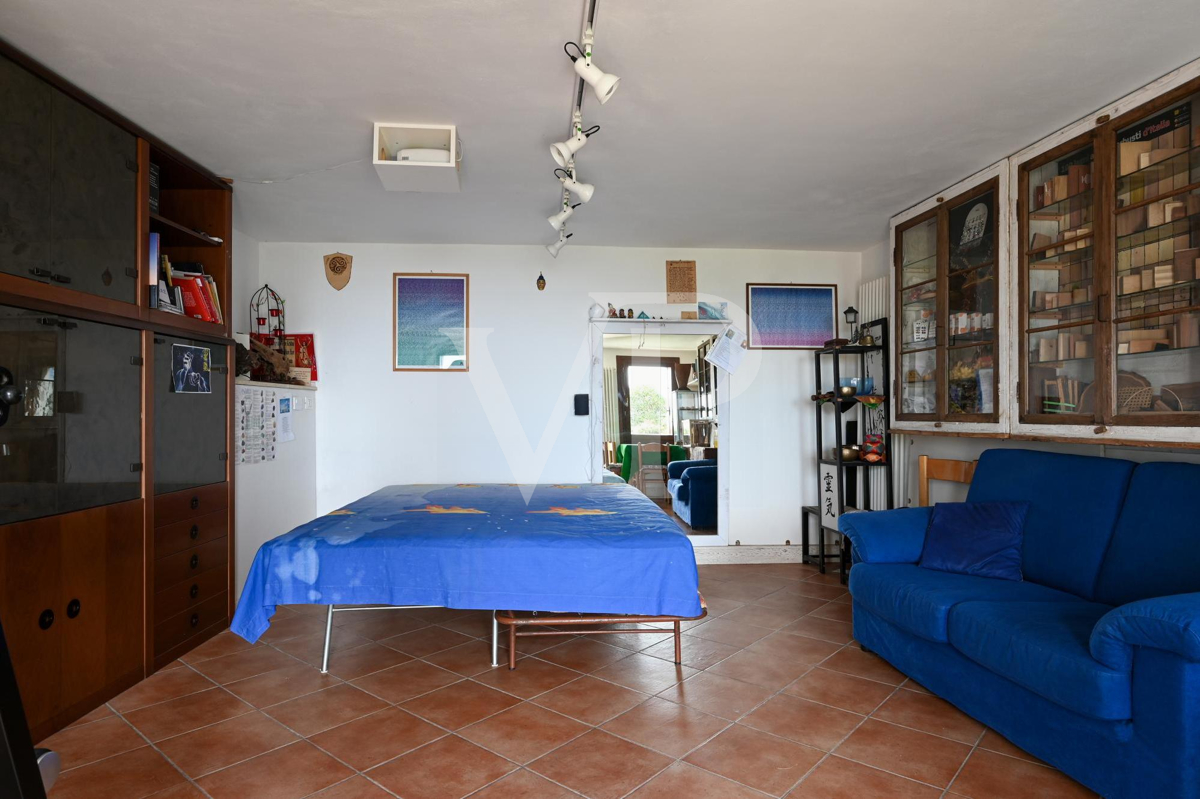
(1134, 284)
(133, 613)
(945, 262)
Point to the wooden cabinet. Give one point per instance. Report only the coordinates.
(1109, 220)
(115, 502)
(191, 568)
(71, 603)
(69, 193)
(950, 314)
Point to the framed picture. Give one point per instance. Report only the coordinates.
(191, 369)
(430, 320)
(788, 316)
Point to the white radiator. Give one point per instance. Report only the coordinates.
(612, 422)
(874, 302)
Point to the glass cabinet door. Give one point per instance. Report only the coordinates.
(918, 322)
(1059, 289)
(190, 413)
(971, 308)
(1157, 309)
(70, 401)
(68, 190)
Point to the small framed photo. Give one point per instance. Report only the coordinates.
(191, 369)
(430, 322)
(790, 316)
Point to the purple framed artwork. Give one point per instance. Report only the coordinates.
(430, 321)
(790, 316)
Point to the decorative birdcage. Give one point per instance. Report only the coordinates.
(267, 320)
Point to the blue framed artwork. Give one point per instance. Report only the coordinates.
(787, 316)
(430, 319)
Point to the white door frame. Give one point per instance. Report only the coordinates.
(597, 329)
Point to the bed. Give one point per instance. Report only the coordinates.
(596, 549)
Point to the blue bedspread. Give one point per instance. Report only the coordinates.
(572, 548)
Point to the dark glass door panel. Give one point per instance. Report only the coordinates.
(93, 202)
(73, 426)
(190, 412)
(24, 172)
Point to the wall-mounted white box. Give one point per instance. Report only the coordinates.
(416, 175)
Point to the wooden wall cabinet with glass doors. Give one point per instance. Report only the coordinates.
(1110, 275)
(949, 319)
(116, 497)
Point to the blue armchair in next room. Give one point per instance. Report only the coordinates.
(693, 489)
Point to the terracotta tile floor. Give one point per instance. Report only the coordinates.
(772, 700)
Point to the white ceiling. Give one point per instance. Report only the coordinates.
(757, 123)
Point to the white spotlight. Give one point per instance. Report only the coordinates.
(602, 83)
(583, 191)
(564, 151)
(557, 246)
(558, 220)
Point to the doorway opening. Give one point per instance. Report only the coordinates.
(660, 412)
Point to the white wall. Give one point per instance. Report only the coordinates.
(245, 279)
(276, 496)
(509, 419)
(876, 262)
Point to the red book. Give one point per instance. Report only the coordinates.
(193, 300)
(210, 311)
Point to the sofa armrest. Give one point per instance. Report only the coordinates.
(675, 468)
(700, 474)
(1171, 623)
(887, 536)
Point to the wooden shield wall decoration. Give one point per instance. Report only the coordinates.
(337, 269)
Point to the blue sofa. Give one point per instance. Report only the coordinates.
(693, 489)
(1092, 663)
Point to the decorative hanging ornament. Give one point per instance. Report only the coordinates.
(337, 269)
(541, 282)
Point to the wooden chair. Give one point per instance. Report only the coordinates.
(942, 469)
(659, 470)
(610, 457)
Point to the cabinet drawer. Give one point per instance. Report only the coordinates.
(189, 593)
(180, 505)
(182, 626)
(190, 562)
(173, 538)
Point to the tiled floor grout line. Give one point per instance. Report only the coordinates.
(161, 753)
(963, 764)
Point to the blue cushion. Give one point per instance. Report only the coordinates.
(1155, 549)
(1073, 505)
(980, 538)
(1043, 646)
(919, 600)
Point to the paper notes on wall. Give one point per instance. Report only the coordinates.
(255, 424)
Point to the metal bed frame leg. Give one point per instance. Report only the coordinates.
(328, 635)
(495, 641)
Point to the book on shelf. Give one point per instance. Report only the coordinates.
(155, 186)
(166, 301)
(153, 260)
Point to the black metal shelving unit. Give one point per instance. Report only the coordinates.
(847, 470)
